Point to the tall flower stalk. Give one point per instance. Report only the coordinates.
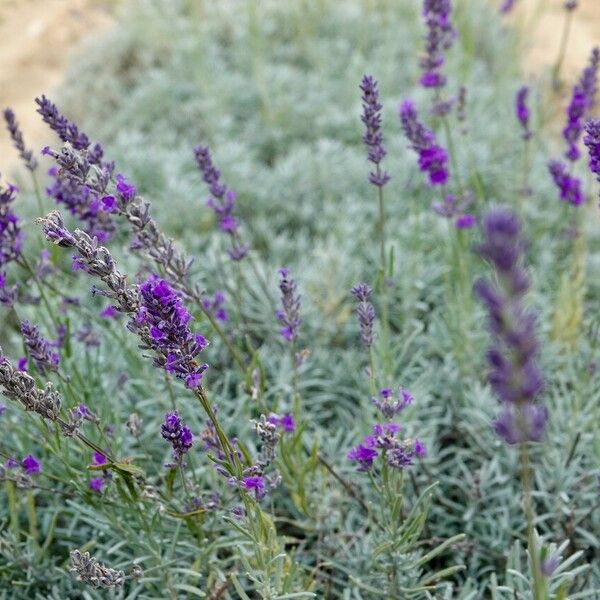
(569, 8)
(512, 358)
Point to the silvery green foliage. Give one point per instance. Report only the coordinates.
(272, 87)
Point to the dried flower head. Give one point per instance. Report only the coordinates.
(96, 574)
(39, 348)
(289, 316)
(365, 312)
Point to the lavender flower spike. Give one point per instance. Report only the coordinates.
(568, 185)
(433, 159)
(365, 312)
(17, 138)
(11, 238)
(592, 141)
(373, 138)
(39, 348)
(180, 436)
(514, 374)
(522, 111)
(440, 36)
(66, 131)
(582, 100)
(289, 316)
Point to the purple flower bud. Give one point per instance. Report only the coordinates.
(568, 186)
(31, 465)
(96, 484)
(440, 36)
(365, 312)
(174, 431)
(289, 316)
(522, 111)
(39, 348)
(592, 141)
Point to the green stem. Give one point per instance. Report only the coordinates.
(38, 194)
(13, 508)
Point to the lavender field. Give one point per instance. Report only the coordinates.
(300, 300)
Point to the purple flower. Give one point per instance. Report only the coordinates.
(568, 186)
(39, 348)
(592, 141)
(373, 138)
(127, 191)
(66, 131)
(31, 465)
(522, 111)
(507, 6)
(390, 405)
(98, 458)
(570, 4)
(465, 222)
(514, 374)
(289, 316)
(166, 320)
(550, 564)
(440, 36)
(256, 485)
(286, 422)
(453, 207)
(365, 312)
(96, 484)
(2, 409)
(174, 431)
(582, 100)
(215, 306)
(364, 456)
(22, 363)
(109, 312)
(433, 159)
(11, 238)
(17, 139)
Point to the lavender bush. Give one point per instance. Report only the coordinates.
(184, 416)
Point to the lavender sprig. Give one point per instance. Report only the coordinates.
(17, 138)
(568, 185)
(592, 141)
(433, 159)
(514, 374)
(582, 100)
(522, 111)
(373, 138)
(95, 574)
(65, 129)
(365, 312)
(39, 348)
(179, 435)
(11, 237)
(289, 316)
(440, 36)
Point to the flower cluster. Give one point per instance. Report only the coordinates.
(433, 159)
(215, 307)
(373, 138)
(39, 348)
(522, 111)
(286, 422)
(582, 100)
(592, 141)
(97, 483)
(397, 452)
(389, 405)
(568, 185)
(65, 129)
(11, 237)
(440, 36)
(365, 312)
(222, 201)
(167, 320)
(289, 316)
(90, 571)
(17, 139)
(177, 434)
(454, 207)
(514, 374)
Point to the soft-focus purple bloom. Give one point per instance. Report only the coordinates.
(465, 222)
(39, 348)
(373, 138)
(440, 36)
(2, 409)
(215, 307)
(390, 405)
(522, 111)
(592, 141)
(286, 422)
(11, 463)
(582, 100)
(109, 312)
(88, 336)
(174, 431)
(433, 159)
(126, 190)
(98, 458)
(96, 484)
(550, 564)
(364, 456)
(11, 237)
(31, 465)
(365, 312)
(568, 185)
(22, 363)
(514, 374)
(289, 316)
(167, 321)
(17, 139)
(507, 6)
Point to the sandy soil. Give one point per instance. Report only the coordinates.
(35, 39)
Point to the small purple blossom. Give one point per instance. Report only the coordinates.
(522, 111)
(373, 138)
(97, 484)
(17, 138)
(582, 100)
(110, 312)
(127, 191)
(465, 222)
(440, 36)
(365, 312)
(174, 431)
(66, 130)
(289, 316)
(390, 404)
(286, 422)
(550, 564)
(364, 456)
(256, 485)
(592, 141)
(433, 159)
(507, 6)
(568, 185)
(31, 465)
(215, 306)
(11, 237)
